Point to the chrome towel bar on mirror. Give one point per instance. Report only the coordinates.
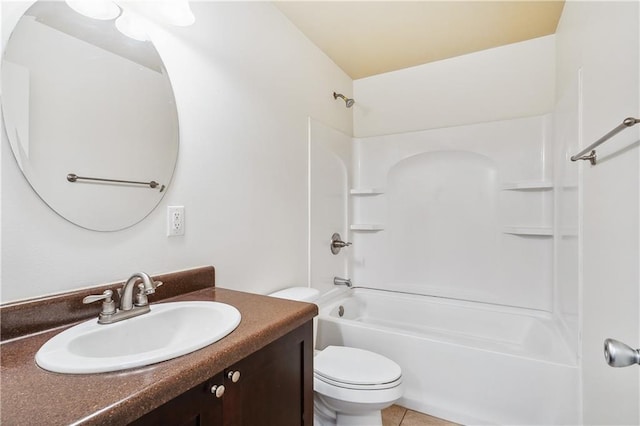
(627, 122)
(72, 177)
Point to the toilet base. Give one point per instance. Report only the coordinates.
(324, 413)
(373, 418)
(320, 420)
(370, 419)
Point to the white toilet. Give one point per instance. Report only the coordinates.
(351, 386)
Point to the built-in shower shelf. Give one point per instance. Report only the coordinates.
(366, 191)
(367, 227)
(524, 185)
(528, 230)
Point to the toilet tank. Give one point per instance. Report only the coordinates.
(301, 294)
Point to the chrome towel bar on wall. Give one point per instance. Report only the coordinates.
(627, 122)
(72, 177)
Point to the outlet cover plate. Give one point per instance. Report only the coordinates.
(175, 221)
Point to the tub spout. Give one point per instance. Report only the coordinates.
(342, 281)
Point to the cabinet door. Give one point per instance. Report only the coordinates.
(196, 407)
(275, 384)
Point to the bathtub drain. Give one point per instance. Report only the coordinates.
(340, 310)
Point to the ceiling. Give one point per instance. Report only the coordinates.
(365, 38)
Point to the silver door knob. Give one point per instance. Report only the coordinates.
(618, 354)
(234, 376)
(217, 390)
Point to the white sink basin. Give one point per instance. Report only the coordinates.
(168, 331)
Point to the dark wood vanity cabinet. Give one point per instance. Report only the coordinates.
(273, 387)
(196, 407)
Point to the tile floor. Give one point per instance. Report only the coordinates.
(400, 416)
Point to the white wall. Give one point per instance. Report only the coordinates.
(245, 82)
(506, 82)
(600, 40)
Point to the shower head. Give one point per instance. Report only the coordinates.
(347, 101)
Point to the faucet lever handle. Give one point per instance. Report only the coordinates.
(152, 290)
(106, 296)
(141, 296)
(108, 306)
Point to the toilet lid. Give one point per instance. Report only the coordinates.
(355, 366)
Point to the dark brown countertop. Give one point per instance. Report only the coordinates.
(33, 396)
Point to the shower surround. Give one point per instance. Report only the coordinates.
(454, 235)
(462, 212)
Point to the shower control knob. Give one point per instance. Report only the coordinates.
(337, 243)
(617, 354)
(217, 390)
(234, 376)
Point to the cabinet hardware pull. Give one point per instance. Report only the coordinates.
(234, 376)
(217, 390)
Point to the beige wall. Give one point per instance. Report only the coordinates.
(506, 82)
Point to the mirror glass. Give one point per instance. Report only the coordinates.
(81, 98)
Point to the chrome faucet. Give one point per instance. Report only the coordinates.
(126, 294)
(342, 281)
(128, 308)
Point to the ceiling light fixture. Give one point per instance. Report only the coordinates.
(177, 12)
(132, 26)
(96, 9)
(131, 16)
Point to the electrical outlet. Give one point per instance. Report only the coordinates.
(175, 221)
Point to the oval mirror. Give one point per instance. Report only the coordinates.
(80, 98)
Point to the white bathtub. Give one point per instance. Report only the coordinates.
(467, 362)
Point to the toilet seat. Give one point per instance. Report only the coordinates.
(358, 387)
(356, 369)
